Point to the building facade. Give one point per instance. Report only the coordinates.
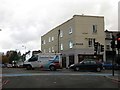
(75, 38)
(108, 49)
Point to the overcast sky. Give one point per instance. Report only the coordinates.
(24, 21)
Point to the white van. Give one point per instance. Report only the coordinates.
(50, 61)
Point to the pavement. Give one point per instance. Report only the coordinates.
(115, 77)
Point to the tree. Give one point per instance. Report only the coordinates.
(14, 56)
(5, 59)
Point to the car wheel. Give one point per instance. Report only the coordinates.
(52, 68)
(77, 69)
(29, 67)
(98, 69)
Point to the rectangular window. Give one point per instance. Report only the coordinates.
(91, 42)
(61, 46)
(52, 39)
(70, 44)
(44, 42)
(32, 59)
(70, 30)
(49, 39)
(108, 35)
(94, 28)
(107, 47)
(52, 49)
(49, 50)
(61, 33)
(44, 51)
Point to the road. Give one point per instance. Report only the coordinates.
(21, 78)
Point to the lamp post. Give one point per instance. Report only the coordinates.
(24, 48)
(24, 54)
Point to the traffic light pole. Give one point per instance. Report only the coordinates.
(113, 62)
(113, 52)
(118, 54)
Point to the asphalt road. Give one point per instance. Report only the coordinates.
(21, 78)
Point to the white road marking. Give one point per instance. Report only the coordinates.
(72, 74)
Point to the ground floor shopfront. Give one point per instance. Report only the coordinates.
(112, 55)
(75, 56)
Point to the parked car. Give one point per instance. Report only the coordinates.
(9, 65)
(2, 65)
(20, 64)
(87, 65)
(109, 66)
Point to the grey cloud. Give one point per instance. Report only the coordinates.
(119, 16)
(5, 44)
(27, 26)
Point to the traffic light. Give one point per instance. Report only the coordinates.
(113, 42)
(96, 46)
(102, 48)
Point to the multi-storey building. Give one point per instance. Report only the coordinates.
(75, 39)
(108, 49)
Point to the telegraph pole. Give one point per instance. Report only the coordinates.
(58, 39)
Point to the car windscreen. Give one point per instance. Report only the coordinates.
(33, 58)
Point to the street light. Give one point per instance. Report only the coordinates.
(24, 47)
(24, 55)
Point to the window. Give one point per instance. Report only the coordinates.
(61, 33)
(56, 58)
(94, 28)
(49, 39)
(49, 50)
(91, 42)
(70, 30)
(108, 35)
(52, 49)
(86, 62)
(44, 51)
(93, 62)
(52, 38)
(33, 58)
(107, 47)
(44, 42)
(70, 44)
(61, 46)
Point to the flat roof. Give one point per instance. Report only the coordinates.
(71, 19)
(88, 16)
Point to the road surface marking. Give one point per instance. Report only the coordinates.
(72, 74)
(4, 83)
